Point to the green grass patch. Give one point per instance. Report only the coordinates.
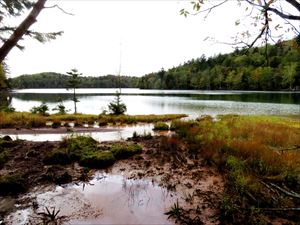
(125, 150)
(86, 151)
(100, 159)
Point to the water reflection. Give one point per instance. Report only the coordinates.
(193, 103)
(114, 133)
(110, 199)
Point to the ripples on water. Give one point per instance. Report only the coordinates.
(190, 102)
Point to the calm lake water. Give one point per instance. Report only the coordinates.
(190, 102)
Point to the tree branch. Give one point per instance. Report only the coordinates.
(295, 4)
(282, 15)
(208, 10)
(21, 29)
(61, 9)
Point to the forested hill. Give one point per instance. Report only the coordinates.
(56, 80)
(243, 70)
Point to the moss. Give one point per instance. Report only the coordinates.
(101, 159)
(12, 184)
(59, 156)
(161, 126)
(123, 151)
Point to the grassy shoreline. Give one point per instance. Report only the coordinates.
(30, 120)
(257, 158)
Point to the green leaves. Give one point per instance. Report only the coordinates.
(184, 12)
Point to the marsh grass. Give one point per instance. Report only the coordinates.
(161, 126)
(252, 151)
(30, 120)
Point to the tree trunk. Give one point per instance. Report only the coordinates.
(75, 100)
(21, 29)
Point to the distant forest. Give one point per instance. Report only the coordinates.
(56, 80)
(249, 69)
(275, 67)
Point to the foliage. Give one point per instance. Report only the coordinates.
(21, 120)
(3, 79)
(12, 184)
(11, 33)
(73, 83)
(60, 108)
(51, 217)
(182, 216)
(56, 80)
(259, 156)
(123, 151)
(116, 107)
(29, 120)
(100, 159)
(41, 109)
(240, 70)
(269, 20)
(86, 151)
(161, 126)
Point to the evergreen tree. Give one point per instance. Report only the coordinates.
(73, 83)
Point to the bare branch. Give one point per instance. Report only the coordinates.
(295, 4)
(267, 7)
(208, 10)
(288, 193)
(61, 9)
(282, 15)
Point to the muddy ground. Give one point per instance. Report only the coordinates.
(200, 185)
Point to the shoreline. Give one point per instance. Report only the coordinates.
(60, 130)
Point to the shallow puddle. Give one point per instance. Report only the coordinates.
(109, 134)
(106, 199)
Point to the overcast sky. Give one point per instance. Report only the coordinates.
(148, 35)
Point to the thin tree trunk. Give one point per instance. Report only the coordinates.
(74, 98)
(21, 29)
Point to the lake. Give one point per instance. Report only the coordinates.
(190, 102)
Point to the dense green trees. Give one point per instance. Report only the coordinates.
(241, 70)
(55, 80)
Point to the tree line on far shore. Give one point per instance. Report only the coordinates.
(56, 80)
(276, 67)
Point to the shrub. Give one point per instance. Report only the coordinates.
(61, 109)
(161, 126)
(41, 109)
(116, 107)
